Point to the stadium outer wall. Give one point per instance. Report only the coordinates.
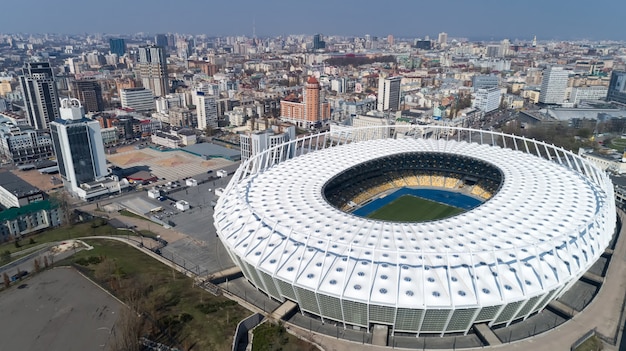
(588, 242)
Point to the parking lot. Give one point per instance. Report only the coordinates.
(201, 250)
(57, 310)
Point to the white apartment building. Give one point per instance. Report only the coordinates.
(139, 99)
(389, 93)
(553, 85)
(206, 110)
(587, 93)
(254, 143)
(487, 100)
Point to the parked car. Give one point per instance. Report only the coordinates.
(19, 275)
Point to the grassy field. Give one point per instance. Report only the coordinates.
(273, 337)
(409, 208)
(591, 344)
(96, 227)
(618, 144)
(174, 312)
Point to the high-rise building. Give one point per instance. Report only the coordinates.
(78, 146)
(139, 99)
(161, 40)
(318, 42)
(310, 113)
(388, 93)
(617, 87)
(255, 143)
(553, 85)
(493, 51)
(390, 39)
(505, 48)
(442, 39)
(206, 110)
(117, 46)
(41, 98)
(153, 69)
(312, 100)
(487, 100)
(89, 93)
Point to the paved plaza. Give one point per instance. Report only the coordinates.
(57, 310)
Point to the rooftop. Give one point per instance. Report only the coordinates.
(15, 185)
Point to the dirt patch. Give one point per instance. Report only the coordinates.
(45, 182)
(129, 158)
(173, 161)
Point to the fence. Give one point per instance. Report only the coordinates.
(241, 333)
(582, 339)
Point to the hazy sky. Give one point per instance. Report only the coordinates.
(475, 19)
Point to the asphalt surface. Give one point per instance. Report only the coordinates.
(57, 310)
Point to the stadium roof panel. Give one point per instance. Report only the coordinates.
(525, 241)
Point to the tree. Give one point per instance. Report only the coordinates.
(208, 131)
(7, 281)
(61, 199)
(127, 331)
(45, 261)
(5, 257)
(36, 265)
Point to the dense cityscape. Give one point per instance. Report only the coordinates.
(230, 159)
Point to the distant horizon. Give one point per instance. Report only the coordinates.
(477, 20)
(326, 35)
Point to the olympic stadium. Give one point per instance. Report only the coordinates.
(426, 231)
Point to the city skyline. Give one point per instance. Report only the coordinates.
(476, 20)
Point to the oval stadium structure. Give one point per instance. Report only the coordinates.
(425, 230)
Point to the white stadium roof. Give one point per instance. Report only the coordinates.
(504, 260)
(521, 243)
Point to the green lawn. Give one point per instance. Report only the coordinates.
(96, 227)
(618, 144)
(591, 344)
(272, 337)
(408, 208)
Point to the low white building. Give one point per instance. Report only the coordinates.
(610, 161)
(191, 182)
(174, 138)
(139, 99)
(154, 193)
(182, 205)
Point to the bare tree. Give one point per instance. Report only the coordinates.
(7, 281)
(45, 261)
(62, 200)
(127, 331)
(36, 265)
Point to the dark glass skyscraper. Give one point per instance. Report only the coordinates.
(41, 98)
(78, 146)
(617, 87)
(318, 43)
(117, 46)
(160, 40)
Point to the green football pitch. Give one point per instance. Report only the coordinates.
(408, 208)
